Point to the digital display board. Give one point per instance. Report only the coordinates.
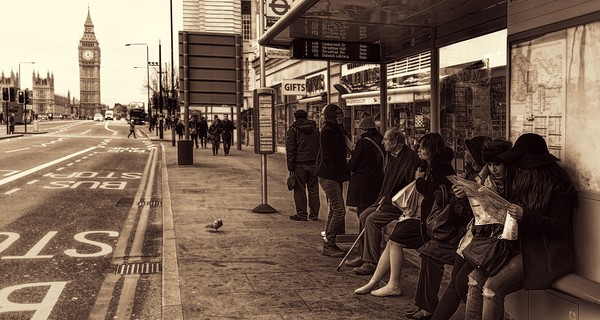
(334, 50)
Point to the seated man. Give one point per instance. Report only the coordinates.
(401, 164)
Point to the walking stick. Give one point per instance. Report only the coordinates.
(350, 250)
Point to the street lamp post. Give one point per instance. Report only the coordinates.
(147, 77)
(24, 102)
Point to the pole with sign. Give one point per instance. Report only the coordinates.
(264, 138)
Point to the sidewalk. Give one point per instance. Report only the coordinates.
(257, 266)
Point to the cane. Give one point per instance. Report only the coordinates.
(350, 250)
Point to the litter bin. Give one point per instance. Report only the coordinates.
(185, 152)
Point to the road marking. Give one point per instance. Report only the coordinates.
(12, 191)
(10, 172)
(42, 166)
(60, 169)
(15, 150)
(33, 181)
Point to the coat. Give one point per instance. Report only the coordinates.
(547, 239)
(331, 164)
(366, 164)
(435, 175)
(301, 143)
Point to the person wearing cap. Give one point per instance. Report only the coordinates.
(402, 162)
(333, 171)
(542, 198)
(301, 150)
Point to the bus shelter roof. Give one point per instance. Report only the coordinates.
(398, 26)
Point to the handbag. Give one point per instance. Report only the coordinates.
(291, 182)
(408, 199)
(444, 222)
(489, 254)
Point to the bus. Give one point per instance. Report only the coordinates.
(137, 114)
(18, 112)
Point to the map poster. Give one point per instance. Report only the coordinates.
(538, 90)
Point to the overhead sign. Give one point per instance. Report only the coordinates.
(307, 28)
(295, 87)
(334, 50)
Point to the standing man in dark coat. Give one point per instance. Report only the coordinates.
(401, 164)
(366, 164)
(301, 150)
(203, 131)
(227, 126)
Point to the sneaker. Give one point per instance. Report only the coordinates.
(332, 251)
(367, 268)
(298, 218)
(313, 218)
(356, 262)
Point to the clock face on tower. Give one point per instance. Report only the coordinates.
(88, 55)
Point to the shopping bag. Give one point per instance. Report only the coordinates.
(409, 201)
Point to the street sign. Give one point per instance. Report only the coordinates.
(334, 50)
(264, 125)
(307, 28)
(275, 9)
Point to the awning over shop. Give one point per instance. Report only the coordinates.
(318, 98)
(400, 27)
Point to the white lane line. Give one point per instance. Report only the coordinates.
(70, 164)
(42, 166)
(33, 181)
(12, 191)
(15, 150)
(60, 169)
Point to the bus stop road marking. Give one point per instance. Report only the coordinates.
(15, 150)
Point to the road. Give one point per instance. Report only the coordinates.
(80, 232)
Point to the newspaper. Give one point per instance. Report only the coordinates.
(488, 206)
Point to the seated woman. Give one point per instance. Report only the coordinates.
(411, 233)
(543, 198)
(494, 177)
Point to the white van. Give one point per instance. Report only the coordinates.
(108, 115)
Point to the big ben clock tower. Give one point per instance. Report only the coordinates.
(89, 70)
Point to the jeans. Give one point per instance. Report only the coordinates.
(456, 290)
(373, 221)
(336, 219)
(306, 177)
(226, 145)
(485, 299)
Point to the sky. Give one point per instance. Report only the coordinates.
(48, 33)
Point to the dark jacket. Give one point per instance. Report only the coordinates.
(399, 172)
(547, 239)
(215, 131)
(435, 176)
(332, 164)
(202, 128)
(301, 143)
(227, 127)
(366, 164)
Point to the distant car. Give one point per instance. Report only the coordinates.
(108, 115)
(98, 117)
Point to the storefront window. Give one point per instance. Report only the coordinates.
(473, 91)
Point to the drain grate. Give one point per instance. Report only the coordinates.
(154, 202)
(139, 268)
(128, 202)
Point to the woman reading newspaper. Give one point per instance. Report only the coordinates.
(494, 177)
(542, 200)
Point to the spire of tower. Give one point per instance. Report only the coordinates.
(88, 21)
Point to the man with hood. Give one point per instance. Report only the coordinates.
(333, 170)
(301, 150)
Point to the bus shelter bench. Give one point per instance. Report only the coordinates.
(578, 287)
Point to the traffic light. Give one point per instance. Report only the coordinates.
(27, 97)
(5, 94)
(20, 97)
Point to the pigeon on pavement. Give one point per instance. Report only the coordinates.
(215, 224)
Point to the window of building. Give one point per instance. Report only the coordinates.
(472, 88)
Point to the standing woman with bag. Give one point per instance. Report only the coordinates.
(543, 198)
(366, 164)
(332, 171)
